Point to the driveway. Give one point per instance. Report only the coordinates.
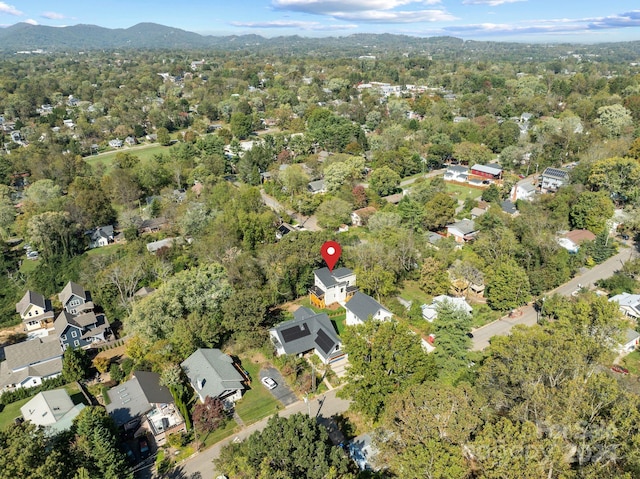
(281, 392)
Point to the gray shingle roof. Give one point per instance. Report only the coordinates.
(331, 278)
(363, 306)
(31, 352)
(30, 297)
(464, 226)
(47, 407)
(137, 397)
(309, 333)
(213, 370)
(72, 289)
(43, 370)
(82, 321)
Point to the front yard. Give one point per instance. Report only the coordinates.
(257, 402)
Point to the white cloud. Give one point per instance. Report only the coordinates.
(491, 3)
(9, 9)
(327, 7)
(557, 26)
(315, 26)
(31, 21)
(376, 16)
(369, 11)
(53, 16)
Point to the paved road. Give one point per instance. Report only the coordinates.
(587, 278)
(309, 222)
(200, 465)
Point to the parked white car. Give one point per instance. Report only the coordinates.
(269, 383)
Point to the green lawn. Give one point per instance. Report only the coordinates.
(632, 362)
(143, 152)
(218, 435)
(10, 412)
(412, 292)
(257, 402)
(29, 266)
(462, 192)
(104, 250)
(339, 322)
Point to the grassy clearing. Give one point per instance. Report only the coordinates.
(632, 362)
(28, 266)
(11, 411)
(257, 402)
(143, 152)
(104, 250)
(411, 292)
(483, 314)
(461, 192)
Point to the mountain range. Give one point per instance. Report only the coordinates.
(27, 37)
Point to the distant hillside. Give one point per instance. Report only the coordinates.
(23, 36)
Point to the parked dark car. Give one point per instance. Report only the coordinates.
(143, 442)
(126, 449)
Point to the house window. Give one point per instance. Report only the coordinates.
(63, 337)
(74, 334)
(76, 343)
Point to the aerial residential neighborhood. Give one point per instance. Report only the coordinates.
(348, 254)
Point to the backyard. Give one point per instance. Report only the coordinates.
(11, 411)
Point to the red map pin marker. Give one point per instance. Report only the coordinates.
(331, 252)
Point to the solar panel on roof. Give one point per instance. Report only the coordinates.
(324, 342)
(295, 332)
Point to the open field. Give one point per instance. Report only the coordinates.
(143, 152)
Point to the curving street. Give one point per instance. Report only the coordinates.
(587, 278)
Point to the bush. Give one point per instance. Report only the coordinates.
(115, 372)
(9, 397)
(127, 366)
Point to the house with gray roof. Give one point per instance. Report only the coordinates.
(28, 363)
(75, 299)
(100, 236)
(142, 405)
(553, 178)
(524, 190)
(35, 311)
(330, 287)
(54, 410)
(308, 332)
(361, 307)
(81, 330)
(317, 186)
(632, 339)
(430, 311)
(463, 230)
(629, 304)
(213, 373)
(156, 246)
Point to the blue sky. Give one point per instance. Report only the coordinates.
(509, 20)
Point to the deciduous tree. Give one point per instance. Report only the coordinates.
(385, 358)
